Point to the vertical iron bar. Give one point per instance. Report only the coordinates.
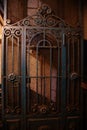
(68, 71)
(12, 71)
(44, 88)
(44, 36)
(73, 89)
(81, 74)
(44, 79)
(18, 52)
(79, 69)
(58, 79)
(63, 74)
(78, 54)
(6, 71)
(2, 74)
(18, 60)
(63, 39)
(18, 72)
(6, 56)
(45, 82)
(40, 79)
(63, 89)
(50, 73)
(12, 55)
(28, 72)
(37, 73)
(23, 69)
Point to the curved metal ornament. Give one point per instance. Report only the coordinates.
(10, 110)
(12, 77)
(44, 109)
(44, 17)
(12, 31)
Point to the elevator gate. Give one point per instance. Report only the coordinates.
(41, 73)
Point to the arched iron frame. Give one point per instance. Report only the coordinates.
(40, 32)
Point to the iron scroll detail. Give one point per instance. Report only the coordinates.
(74, 76)
(16, 110)
(12, 77)
(15, 32)
(44, 108)
(44, 17)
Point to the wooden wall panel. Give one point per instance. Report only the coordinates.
(71, 12)
(16, 10)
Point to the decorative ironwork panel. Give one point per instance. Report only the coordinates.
(12, 76)
(73, 48)
(43, 70)
(44, 17)
(41, 73)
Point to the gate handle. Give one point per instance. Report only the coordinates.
(74, 76)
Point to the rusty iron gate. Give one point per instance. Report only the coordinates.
(41, 74)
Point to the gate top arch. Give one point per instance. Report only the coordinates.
(44, 17)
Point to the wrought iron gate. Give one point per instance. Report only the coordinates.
(41, 74)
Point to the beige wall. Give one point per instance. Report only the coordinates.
(32, 6)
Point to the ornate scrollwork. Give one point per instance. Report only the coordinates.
(38, 20)
(26, 22)
(74, 76)
(7, 32)
(44, 109)
(52, 107)
(76, 33)
(17, 32)
(50, 21)
(72, 108)
(10, 110)
(48, 18)
(34, 108)
(30, 33)
(44, 17)
(12, 31)
(44, 10)
(12, 77)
